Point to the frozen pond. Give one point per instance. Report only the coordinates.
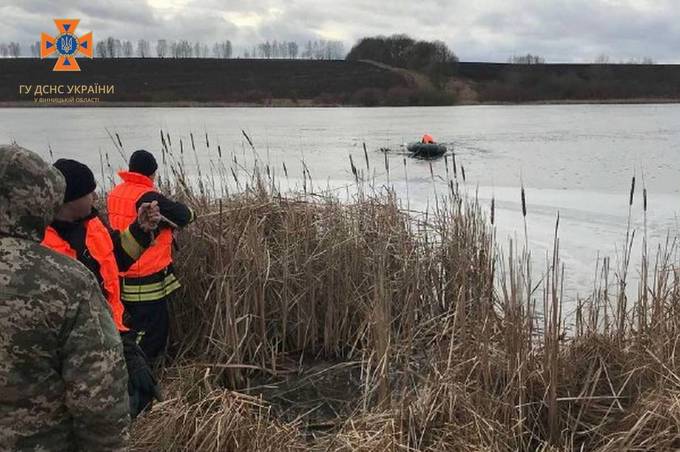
(577, 159)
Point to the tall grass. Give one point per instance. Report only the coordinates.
(309, 323)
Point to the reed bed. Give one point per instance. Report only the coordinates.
(306, 323)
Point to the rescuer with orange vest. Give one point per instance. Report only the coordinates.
(148, 284)
(78, 232)
(427, 139)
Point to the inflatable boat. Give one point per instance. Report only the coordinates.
(426, 150)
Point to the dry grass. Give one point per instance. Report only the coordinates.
(310, 324)
(196, 416)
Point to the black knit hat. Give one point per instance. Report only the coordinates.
(79, 179)
(143, 162)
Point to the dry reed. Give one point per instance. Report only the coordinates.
(310, 324)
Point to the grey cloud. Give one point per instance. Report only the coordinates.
(492, 30)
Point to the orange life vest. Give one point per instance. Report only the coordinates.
(427, 138)
(121, 204)
(100, 246)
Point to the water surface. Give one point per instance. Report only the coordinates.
(575, 159)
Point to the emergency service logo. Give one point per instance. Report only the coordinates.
(67, 45)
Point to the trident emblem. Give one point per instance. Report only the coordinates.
(66, 45)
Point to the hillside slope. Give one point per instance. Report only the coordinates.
(206, 81)
(215, 82)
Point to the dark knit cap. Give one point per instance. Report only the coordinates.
(143, 162)
(79, 179)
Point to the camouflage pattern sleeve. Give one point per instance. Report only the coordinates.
(95, 375)
(63, 381)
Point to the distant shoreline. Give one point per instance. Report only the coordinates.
(197, 82)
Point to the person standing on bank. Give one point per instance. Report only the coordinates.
(78, 232)
(63, 384)
(148, 284)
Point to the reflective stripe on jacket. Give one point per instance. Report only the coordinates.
(100, 246)
(149, 289)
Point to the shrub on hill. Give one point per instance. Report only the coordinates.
(433, 58)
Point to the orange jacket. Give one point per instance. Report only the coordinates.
(98, 242)
(427, 138)
(122, 210)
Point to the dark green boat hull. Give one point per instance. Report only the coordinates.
(426, 150)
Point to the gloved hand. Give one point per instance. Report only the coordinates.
(142, 386)
(149, 215)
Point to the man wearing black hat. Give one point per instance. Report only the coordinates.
(149, 282)
(78, 232)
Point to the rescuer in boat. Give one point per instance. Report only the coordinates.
(427, 139)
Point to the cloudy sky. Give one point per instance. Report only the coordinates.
(481, 30)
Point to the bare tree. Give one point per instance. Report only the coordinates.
(185, 49)
(14, 49)
(265, 50)
(292, 49)
(162, 48)
(118, 48)
(100, 49)
(337, 50)
(308, 50)
(127, 49)
(110, 47)
(527, 59)
(325, 50)
(35, 49)
(181, 49)
(635, 60)
(143, 48)
(319, 50)
(4, 50)
(602, 59)
(222, 49)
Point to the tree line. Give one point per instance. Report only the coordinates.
(11, 49)
(395, 50)
(600, 59)
(162, 48)
(312, 50)
(526, 59)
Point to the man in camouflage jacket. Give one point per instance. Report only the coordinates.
(63, 381)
